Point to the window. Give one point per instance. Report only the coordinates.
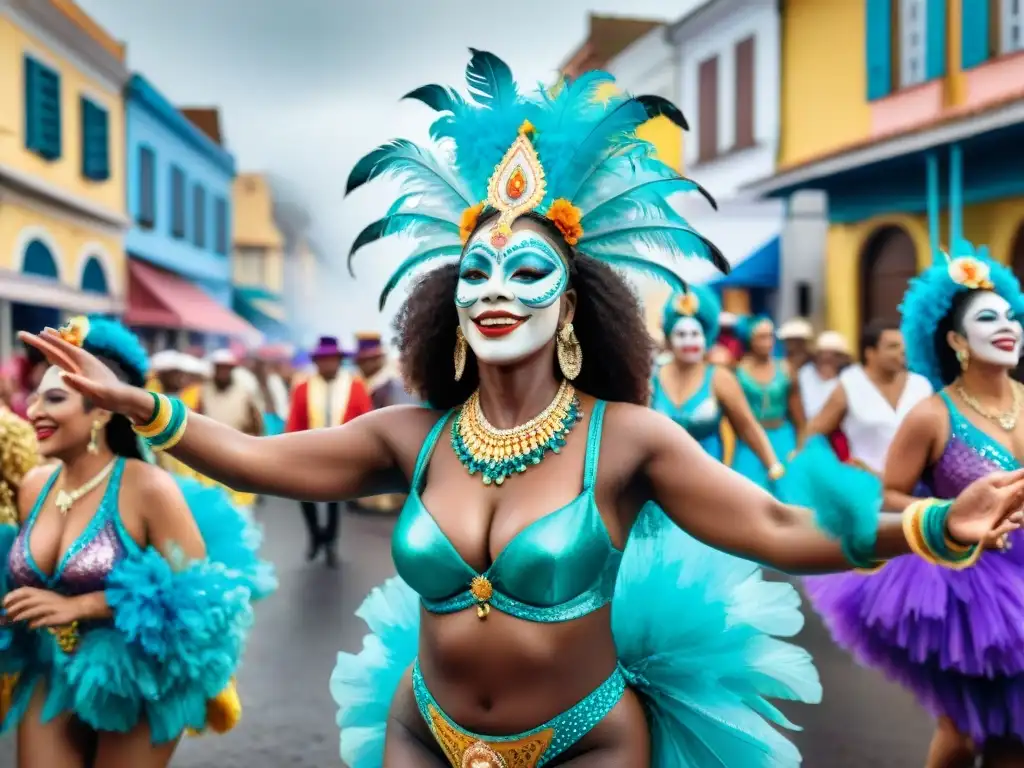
(220, 226)
(146, 211)
(913, 34)
(95, 141)
(707, 88)
(199, 216)
(177, 202)
(1011, 26)
(745, 93)
(251, 266)
(42, 110)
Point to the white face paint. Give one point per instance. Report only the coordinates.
(508, 298)
(51, 380)
(992, 329)
(687, 340)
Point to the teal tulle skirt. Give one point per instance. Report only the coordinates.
(699, 638)
(783, 440)
(175, 640)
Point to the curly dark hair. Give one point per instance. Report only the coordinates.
(618, 352)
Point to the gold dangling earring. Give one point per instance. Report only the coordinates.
(963, 357)
(570, 356)
(94, 438)
(460, 353)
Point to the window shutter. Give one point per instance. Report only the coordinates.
(974, 33)
(935, 40)
(879, 48)
(95, 141)
(42, 110)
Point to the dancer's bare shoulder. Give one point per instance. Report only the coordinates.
(403, 428)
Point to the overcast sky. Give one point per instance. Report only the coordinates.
(305, 87)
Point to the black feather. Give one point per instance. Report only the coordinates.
(437, 97)
(658, 106)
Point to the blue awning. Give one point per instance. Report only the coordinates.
(759, 270)
(258, 307)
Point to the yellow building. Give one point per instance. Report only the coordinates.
(885, 103)
(258, 257)
(62, 178)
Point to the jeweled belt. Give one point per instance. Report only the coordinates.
(464, 751)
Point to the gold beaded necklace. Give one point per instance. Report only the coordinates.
(1006, 419)
(499, 453)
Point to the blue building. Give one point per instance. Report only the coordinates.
(179, 188)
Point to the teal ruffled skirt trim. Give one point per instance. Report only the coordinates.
(699, 638)
(175, 640)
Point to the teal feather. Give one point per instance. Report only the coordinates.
(673, 237)
(428, 252)
(621, 187)
(437, 97)
(418, 168)
(646, 267)
(490, 81)
(413, 224)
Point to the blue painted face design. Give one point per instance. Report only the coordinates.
(528, 269)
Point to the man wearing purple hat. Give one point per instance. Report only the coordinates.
(329, 398)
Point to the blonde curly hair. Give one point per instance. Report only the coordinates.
(19, 453)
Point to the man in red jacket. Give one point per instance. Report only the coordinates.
(330, 398)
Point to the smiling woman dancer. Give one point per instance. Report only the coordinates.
(954, 638)
(696, 394)
(519, 660)
(117, 650)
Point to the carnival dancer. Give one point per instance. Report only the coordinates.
(696, 394)
(330, 398)
(498, 645)
(954, 638)
(872, 399)
(131, 595)
(773, 394)
(385, 387)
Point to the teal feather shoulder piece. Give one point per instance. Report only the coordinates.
(568, 153)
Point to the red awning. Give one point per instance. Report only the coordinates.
(160, 299)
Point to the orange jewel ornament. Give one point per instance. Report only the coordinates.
(516, 184)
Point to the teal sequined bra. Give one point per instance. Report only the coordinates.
(560, 567)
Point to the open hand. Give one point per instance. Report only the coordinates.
(40, 608)
(988, 510)
(83, 371)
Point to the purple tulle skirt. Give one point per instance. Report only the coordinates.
(953, 638)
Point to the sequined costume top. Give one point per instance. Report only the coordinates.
(84, 567)
(969, 454)
(769, 401)
(560, 567)
(700, 414)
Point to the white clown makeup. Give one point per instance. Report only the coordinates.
(508, 298)
(688, 340)
(992, 329)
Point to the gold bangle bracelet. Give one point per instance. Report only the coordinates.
(776, 471)
(174, 439)
(912, 531)
(159, 423)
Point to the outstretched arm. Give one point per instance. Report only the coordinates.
(326, 464)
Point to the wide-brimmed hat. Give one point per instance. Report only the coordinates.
(327, 346)
(223, 357)
(832, 341)
(797, 328)
(369, 345)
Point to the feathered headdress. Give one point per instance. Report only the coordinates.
(103, 336)
(561, 153)
(930, 297)
(697, 301)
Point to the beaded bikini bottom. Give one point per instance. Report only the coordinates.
(531, 749)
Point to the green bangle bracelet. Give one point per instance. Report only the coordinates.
(178, 414)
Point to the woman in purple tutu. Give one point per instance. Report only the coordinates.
(955, 638)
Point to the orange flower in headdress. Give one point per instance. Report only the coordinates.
(970, 273)
(467, 224)
(566, 217)
(688, 304)
(75, 330)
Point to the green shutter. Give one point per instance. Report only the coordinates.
(935, 38)
(42, 110)
(879, 48)
(95, 141)
(974, 33)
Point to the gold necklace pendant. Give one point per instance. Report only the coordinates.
(66, 499)
(1007, 420)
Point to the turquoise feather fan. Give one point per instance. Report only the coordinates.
(590, 152)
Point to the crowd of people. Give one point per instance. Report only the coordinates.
(581, 525)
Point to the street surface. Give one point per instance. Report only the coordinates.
(289, 715)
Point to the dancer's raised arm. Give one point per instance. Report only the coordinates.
(727, 511)
(326, 464)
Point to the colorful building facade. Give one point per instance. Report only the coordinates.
(179, 194)
(62, 166)
(887, 105)
(258, 268)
